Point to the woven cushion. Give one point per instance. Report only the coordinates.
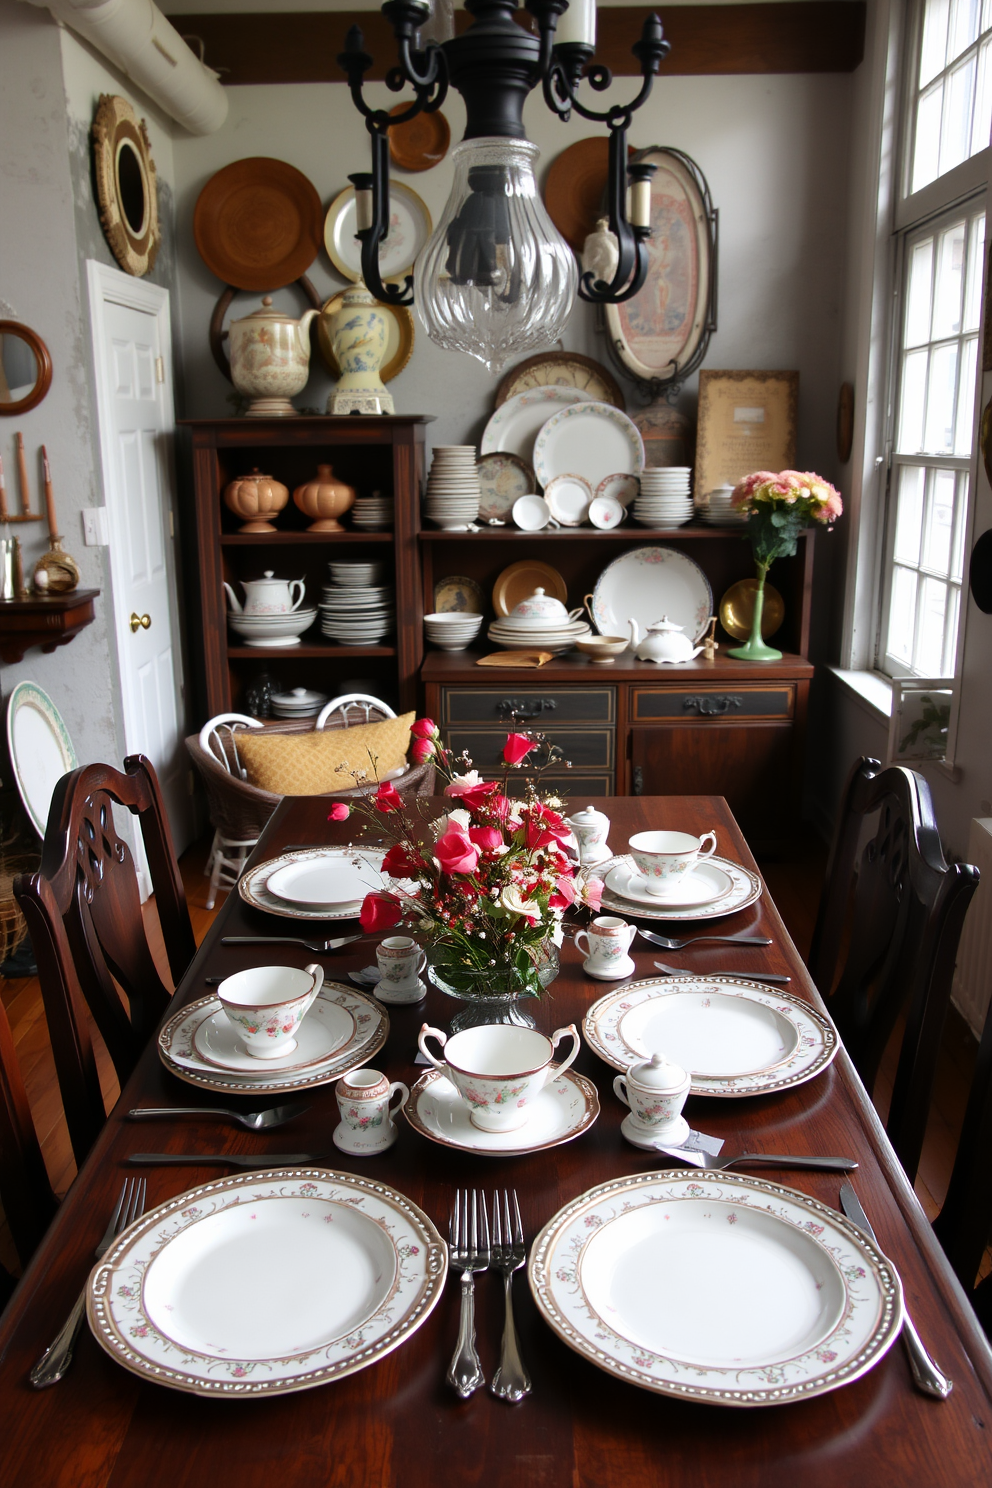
(307, 764)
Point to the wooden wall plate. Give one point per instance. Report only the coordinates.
(575, 189)
(258, 223)
(420, 143)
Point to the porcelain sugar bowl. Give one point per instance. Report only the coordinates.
(655, 1090)
(591, 829)
(663, 641)
(270, 359)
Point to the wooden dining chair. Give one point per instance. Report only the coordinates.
(886, 937)
(83, 911)
(964, 1224)
(26, 1193)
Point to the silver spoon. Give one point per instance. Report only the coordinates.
(252, 1120)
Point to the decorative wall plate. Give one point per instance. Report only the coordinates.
(514, 426)
(646, 583)
(590, 439)
(458, 593)
(792, 1301)
(420, 143)
(126, 185)
(503, 479)
(659, 332)
(169, 1299)
(561, 369)
(409, 229)
(257, 223)
(399, 337)
(521, 579)
(40, 749)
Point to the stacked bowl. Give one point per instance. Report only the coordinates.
(372, 512)
(272, 630)
(539, 621)
(664, 499)
(452, 498)
(300, 702)
(353, 574)
(452, 630)
(716, 509)
(356, 613)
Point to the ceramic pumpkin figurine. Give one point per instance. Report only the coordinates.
(325, 499)
(254, 498)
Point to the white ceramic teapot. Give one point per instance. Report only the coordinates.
(270, 359)
(663, 641)
(267, 596)
(540, 610)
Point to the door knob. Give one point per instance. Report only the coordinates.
(142, 621)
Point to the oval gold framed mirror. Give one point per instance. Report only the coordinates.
(126, 185)
(25, 368)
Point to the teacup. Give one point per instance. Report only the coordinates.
(401, 961)
(498, 1070)
(607, 941)
(664, 858)
(267, 1004)
(363, 1098)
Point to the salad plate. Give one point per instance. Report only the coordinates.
(190, 1296)
(704, 885)
(736, 1037)
(594, 438)
(333, 880)
(566, 1107)
(326, 1028)
(370, 1029)
(253, 886)
(516, 424)
(568, 497)
(622, 891)
(645, 583)
(728, 1290)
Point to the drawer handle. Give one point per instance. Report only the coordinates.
(638, 781)
(710, 704)
(514, 710)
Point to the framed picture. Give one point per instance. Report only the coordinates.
(921, 714)
(747, 421)
(662, 333)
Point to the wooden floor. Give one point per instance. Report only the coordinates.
(794, 885)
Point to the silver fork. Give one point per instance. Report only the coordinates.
(251, 1120)
(57, 1357)
(468, 1244)
(511, 1380)
(761, 1159)
(321, 947)
(667, 942)
(776, 979)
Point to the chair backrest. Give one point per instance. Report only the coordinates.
(83, 911)
(964, 1224)
(897, 906)
(218, 737)
(25, 1190)
(351, 708)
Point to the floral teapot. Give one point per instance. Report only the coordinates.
(267, 596)
(663, 641)
(270, 359)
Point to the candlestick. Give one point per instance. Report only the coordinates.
(22, 472)
(4, 514)
(19, 586)
(53, 530)
(577, 24)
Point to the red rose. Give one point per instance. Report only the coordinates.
(399, 862)
(339, 812)
(479, 796)
(424, 728)
(455, 853)
(488, 838)
(516, 748)
(420, 750)
(387, 798)
(379, 912)
(537, 836)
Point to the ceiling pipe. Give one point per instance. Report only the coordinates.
(136, 37)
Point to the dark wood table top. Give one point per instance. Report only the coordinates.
(398, 1422)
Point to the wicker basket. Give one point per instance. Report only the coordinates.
(13, 927)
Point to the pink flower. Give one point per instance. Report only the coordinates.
(591, 892)
(379, 911)
(456, 854)
(339, 812)
(424, 728)
(387, 798)
(517, 747)
(421, 749)
(488, 838)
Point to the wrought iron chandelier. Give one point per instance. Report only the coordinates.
(496, 279)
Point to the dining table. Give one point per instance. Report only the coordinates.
(398, 1421)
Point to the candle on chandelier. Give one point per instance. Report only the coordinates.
(577, 24)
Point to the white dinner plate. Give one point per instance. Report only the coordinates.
(593, 439)
(622, 894)
(326, 1028)
(728, 1290)
(267, 1282)
(646, 583)
(335, 880)
(254, 890)
(736, 1037)
(514, 426)
(179, 1055)
(704, 885)
(40, 749)
(566, 1107)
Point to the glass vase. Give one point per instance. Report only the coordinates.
(493, 994)
(754, 648)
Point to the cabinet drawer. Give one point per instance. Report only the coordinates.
(574, 786)
(694, 705)
(588, 748)
(537, 705)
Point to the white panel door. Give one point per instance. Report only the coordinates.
(134, 395)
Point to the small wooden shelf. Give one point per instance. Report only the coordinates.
(310, 651)
(295, 539)
(49, 622)
(623, 534)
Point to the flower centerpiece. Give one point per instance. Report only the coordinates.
(778, 508)
(486, 884)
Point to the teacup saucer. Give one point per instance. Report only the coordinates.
(624, 968)
(366, 1148)
(595, 855)
(566, 1106)
(326, 1027)
(705, 884)
(383, 991)
(674, 1134)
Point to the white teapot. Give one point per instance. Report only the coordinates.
(270, 359)
(663, 641)
(267, 596)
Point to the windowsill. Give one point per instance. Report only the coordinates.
(871, 689)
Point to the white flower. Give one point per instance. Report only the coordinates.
(515, 901)
(459, 819)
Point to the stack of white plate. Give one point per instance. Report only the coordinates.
(452, 630)
(664, 499)
(525, 635)
(452, 498)
(299, 703)
(372, 512)
(357, 615)
(716, 509)
(352, 574)
(272, 630)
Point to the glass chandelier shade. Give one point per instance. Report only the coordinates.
(496, 280)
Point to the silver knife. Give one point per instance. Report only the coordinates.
(926, 1376)
(226, 1159)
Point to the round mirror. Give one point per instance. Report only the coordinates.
(131, 192)
(25, 368)
(126, 186)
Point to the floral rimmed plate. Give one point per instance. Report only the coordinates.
(254, 890)
(738, 1037)
(643, 584)
(621, 891)
(566, 1107)
(726, 1290)
(370, 1031)
(503, 479)
(170, 1300)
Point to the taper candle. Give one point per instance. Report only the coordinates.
(53, 530)
(22, 472)
(4, 513)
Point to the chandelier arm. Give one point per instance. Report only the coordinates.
(568, 66)
(370, 237)
(632, 258)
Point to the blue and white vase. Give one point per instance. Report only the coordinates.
(358, 336)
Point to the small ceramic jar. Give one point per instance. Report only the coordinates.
(324, 499)
(655, 1091)
(591, 829)
(254, 498)
(363, 1098)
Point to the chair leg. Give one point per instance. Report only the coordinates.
(215, 873)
